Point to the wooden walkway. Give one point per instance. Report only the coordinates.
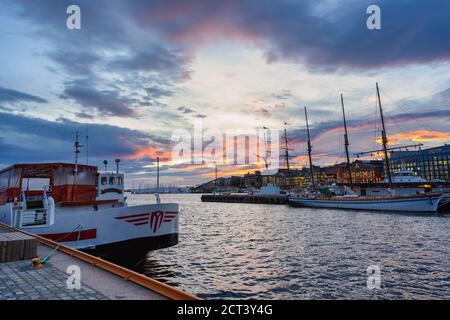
(100, 279)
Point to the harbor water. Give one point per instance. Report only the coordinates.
(258, 251)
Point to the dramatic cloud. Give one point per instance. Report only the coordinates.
(106, 63)
(185, 110)
(44, 140)
(13, 96)
(419, 136)
(239, 64)
(324, 35)
(154, 59)
(107, 102)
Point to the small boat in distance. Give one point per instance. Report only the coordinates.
(428, 202)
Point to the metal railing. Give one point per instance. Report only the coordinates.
(29, 217)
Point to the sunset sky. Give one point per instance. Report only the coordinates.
(138, 70)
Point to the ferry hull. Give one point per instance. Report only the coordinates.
(122, 235)
(132, 253)
(417, 204)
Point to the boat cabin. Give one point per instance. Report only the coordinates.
(65, 183)
(111, 186)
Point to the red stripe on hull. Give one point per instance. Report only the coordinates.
(139, 219)
(133, 215)
(141, 223)
(67, 236)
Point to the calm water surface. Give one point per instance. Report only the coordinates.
(245, 251)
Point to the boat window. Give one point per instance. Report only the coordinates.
(35, 184)
(104, 181)
(111, 180)
(4, 180)
(119, 180)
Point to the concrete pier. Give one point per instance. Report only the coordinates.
(245, 198)
(100, 279)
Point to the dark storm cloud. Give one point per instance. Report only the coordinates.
(74, 62)
(45, 140)
(157, 59)
(13, 96)
(100, 21)
(117, 59)
(156, 92)
(106, 102)
(84, 115)
(323, 35)
(185, 110)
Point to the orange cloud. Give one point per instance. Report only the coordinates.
(150, 152)
(232, 170)
(304, 159)
(418, 136)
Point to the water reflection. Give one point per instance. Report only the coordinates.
(245, 251)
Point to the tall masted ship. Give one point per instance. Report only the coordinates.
(386, 201)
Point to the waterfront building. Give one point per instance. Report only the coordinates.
(363, 171)
(431, 164)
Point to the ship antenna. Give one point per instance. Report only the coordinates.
(287, 156)
(384, 141)
(266, 152)
(215, 180)
(158, 200)
(346, 144)
(87, 145)
(309, 151)
(77, 147)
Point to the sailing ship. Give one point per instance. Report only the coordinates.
(420, 202)
(80, 207)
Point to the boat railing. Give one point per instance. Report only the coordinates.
(31, 218)
(34, 213)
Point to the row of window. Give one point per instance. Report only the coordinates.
(112, 181)
(425, 167)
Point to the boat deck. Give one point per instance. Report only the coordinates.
(100, 280)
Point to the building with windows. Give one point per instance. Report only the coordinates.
(431, 164)
(363, 171)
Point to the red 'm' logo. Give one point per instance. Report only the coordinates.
(155, 218)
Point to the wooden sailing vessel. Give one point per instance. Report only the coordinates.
(429, 202)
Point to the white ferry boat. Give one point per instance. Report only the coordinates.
(80, 207)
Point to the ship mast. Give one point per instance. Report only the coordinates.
(346, 144)
(287, 156)
(158, 200)
(384, 141)
(77, 147)
(215, 176)
(309, 152)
